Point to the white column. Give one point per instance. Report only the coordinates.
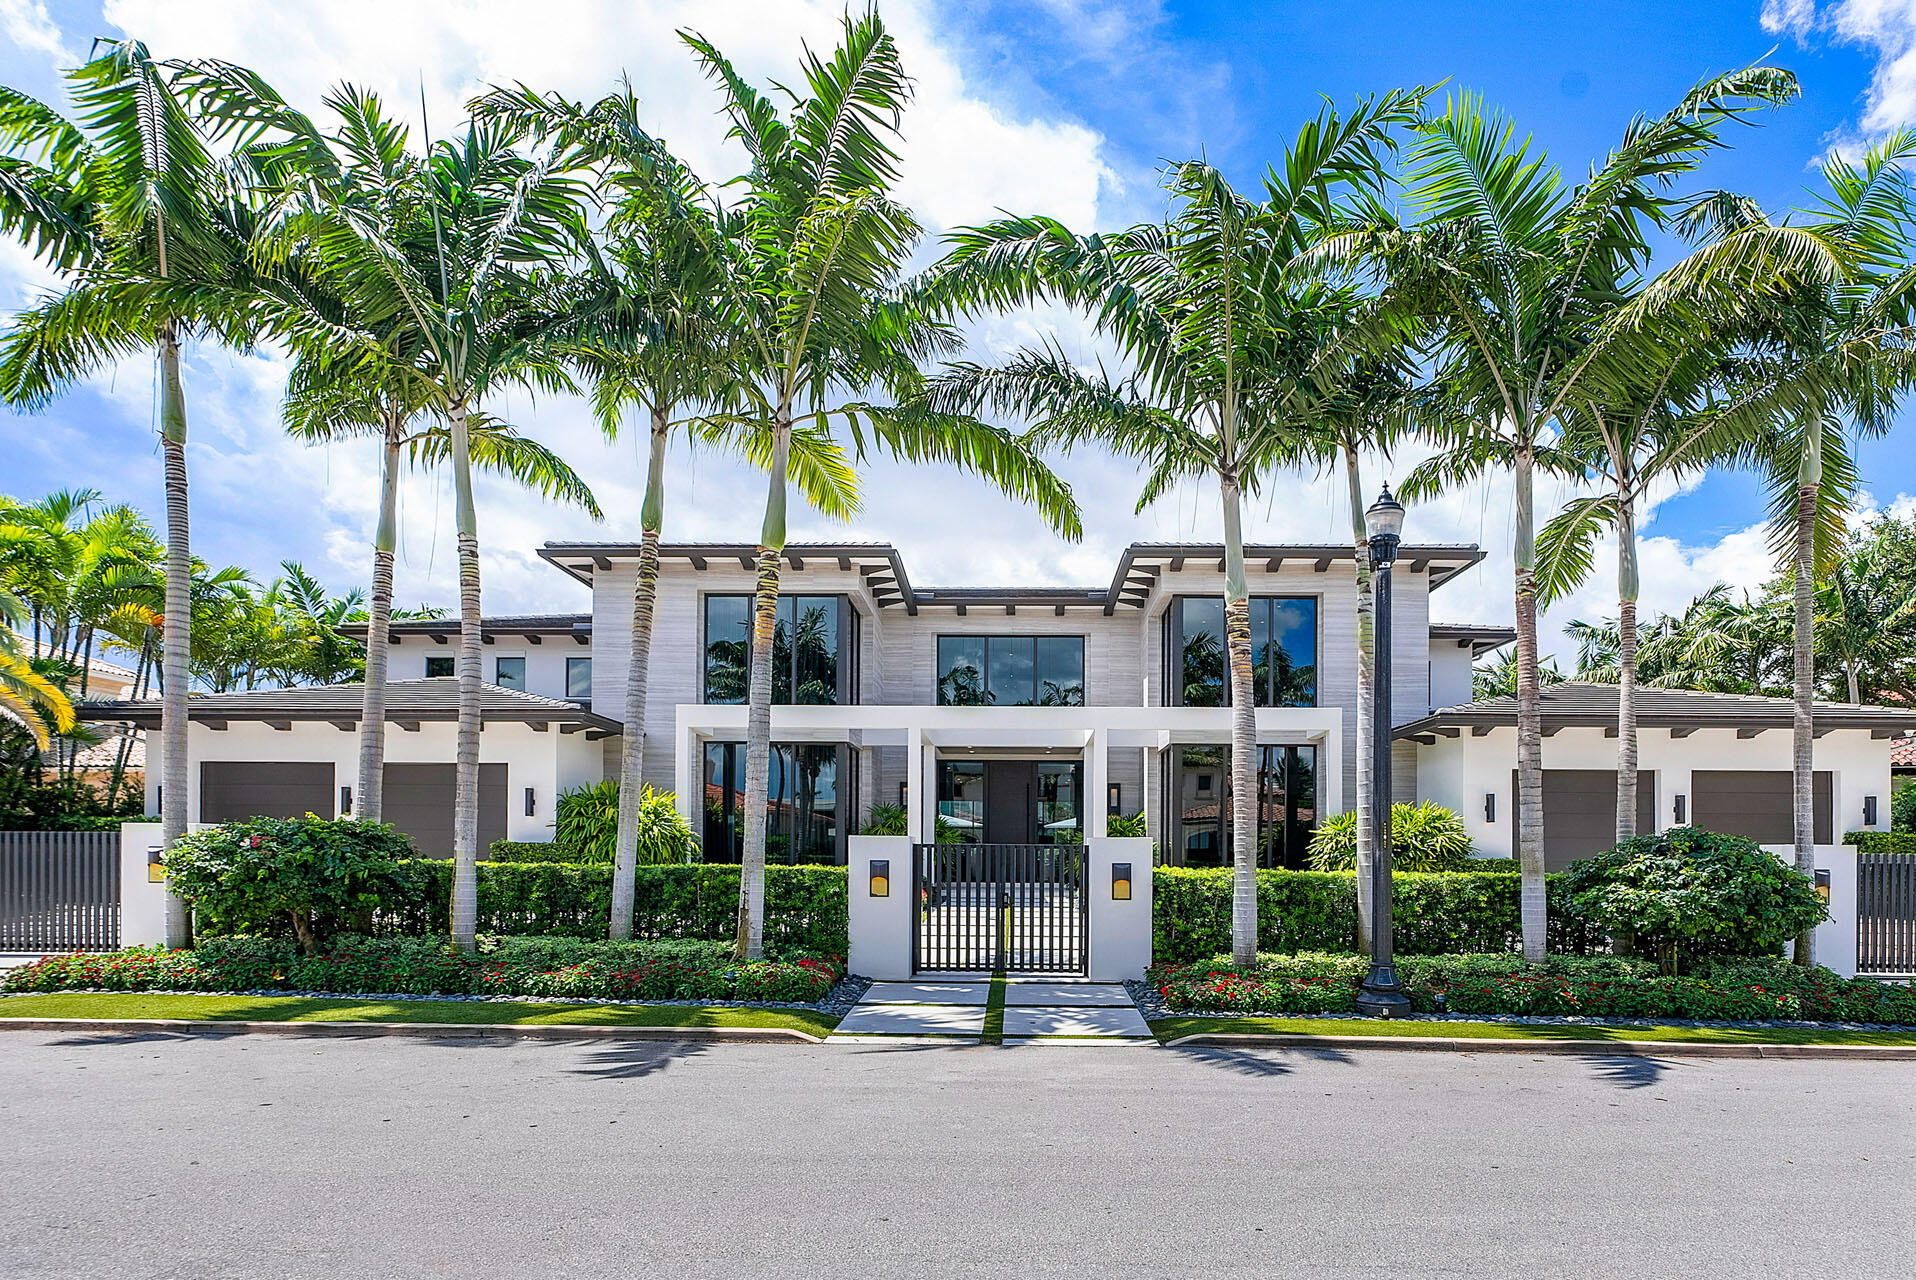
(685, 777)
(1097, 769)
(918, 807)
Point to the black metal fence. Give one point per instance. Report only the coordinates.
(1020, 908)
(59, 890)
(1886, 913)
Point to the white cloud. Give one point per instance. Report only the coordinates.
(1886, 26)
(28, 26)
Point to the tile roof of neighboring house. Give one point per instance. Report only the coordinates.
(1903, 754)
(407, 701)
(1479, 639)
(1577, 703)
(103, 755)
(531, 625)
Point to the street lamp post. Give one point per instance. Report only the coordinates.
(1382, 995)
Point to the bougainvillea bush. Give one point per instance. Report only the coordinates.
(1565, 986)
(528, 967)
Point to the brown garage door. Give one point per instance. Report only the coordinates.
(1756, 803)
(1580, 811)
(419, 797)
(231, 790)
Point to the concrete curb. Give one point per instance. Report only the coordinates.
(436, 1030)
(1610, 1048)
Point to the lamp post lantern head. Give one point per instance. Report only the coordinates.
(1385, 520)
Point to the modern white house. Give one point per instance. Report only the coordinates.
(1015, 714)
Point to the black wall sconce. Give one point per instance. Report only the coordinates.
(1120, 882)
(1679, 809)
(1823, 885)
(881, 877)
(345, 800)
(1490, 806)
(530, 802)
(1114, 798)
(1869, 811)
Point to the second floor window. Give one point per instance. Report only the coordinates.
(510, 673)
(810, 650)
(578, 679)
(1011, 671)
(1283, 652)
(440, 667)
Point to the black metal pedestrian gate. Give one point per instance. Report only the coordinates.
(59, 890)
(1886, 913)
(1017, 908)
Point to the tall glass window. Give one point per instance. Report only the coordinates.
(805, 817)
(1283, 652)
(810, 650)
(578, 679)
(1011, 671)
(1287, 806)
(961, 801)
(510, 673)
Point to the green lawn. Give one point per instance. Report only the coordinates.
(1168, 1029)
(304, 1009)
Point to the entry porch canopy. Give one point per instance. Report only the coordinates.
(1090, 732)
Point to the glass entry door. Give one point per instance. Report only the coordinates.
(1010, 801)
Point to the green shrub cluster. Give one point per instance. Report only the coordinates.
(1685, 893)
(680, 969)
(1882, 841)
(1565, 986)
(1434, 913)
(1902, 805)
(586, 822)
(531, 851)
(1423, 837)
(805, 907)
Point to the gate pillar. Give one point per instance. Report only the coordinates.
(880, 926)
(1120, 941)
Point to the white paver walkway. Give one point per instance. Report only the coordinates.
(1034, 1011)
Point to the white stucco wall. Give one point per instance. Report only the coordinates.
(1119, 945)
(545, 661)
(548, 762)
(880, 927)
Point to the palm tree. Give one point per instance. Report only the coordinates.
(1831, 349)
(131, 207)
(27, 697)
(1527, 289)
(1234, 361)
(814, 254)
(451, 262)
(1863, 610)
(657, 343)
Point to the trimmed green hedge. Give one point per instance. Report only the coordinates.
(1574, 986)
(675, 969)
(1435, 913)
(805, 907)
(531, 851)
(1882, 841)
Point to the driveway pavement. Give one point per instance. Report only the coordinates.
(206, 1159)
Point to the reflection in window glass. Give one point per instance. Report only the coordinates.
(440, 667)
(728, 648)
(1060, 671)
(1010, 671)
(961, 671)
(1059, 820)
(578, 679)
(1283, 651)
(807, 649)
(961, 801)
(1287, 805)
(802, 820)
(510, 673)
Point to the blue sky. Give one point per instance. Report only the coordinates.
(1058, 106)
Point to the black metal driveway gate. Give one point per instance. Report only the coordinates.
(1017, 908)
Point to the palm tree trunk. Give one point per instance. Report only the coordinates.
(369, 804)
(1244, 789)
(645, 587)
(465, 820)
(1626, 663)
(178, 636)
(1855, 684)
(1803, 737)
(1529, 722)
(758, 719)
(1366, 690)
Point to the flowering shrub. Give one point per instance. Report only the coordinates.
(530, 967)
(1565, 986)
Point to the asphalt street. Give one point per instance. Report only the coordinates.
(204, 1158)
